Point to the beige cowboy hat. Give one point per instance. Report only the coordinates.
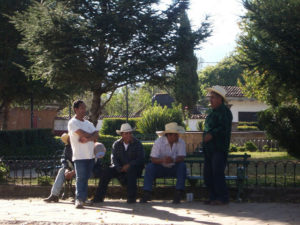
(219, 90)
(99, 150)
(64, 138)
(125, 127)
(171, 128)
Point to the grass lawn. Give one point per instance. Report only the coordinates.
(267, 156)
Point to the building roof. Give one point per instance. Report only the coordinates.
(233, 91)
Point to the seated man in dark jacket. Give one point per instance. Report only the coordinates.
(67, 170)
(127, 163)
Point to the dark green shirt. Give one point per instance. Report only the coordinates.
(218, 124)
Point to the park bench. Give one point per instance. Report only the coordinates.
(240, 162)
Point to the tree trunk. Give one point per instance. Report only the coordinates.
(96, 107)
(4, 114)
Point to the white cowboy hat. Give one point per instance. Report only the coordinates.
(171, 128)
(219, 90)
(99, 150)
(64, 138)
(125, 127)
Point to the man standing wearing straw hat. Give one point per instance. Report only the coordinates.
(216, 140)
(127, 164)
(167, 160)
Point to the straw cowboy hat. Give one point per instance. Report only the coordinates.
(171, 128)
(125, 127)
(64, 138)
(99, 150)
(219, 90)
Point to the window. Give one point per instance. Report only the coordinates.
(248, 116)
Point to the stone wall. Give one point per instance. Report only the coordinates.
(193, 140)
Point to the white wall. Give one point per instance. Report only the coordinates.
(192, 124)
(245, 106)
(61, 124)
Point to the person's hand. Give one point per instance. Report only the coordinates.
(125, 168)
(207, 137)
(168, 160)
(83, 140)
(69, 174)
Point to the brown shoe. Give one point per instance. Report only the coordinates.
(51, 198)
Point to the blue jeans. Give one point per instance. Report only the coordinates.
(59, 181)
(214, 176)
(83, 169)
(156, 170)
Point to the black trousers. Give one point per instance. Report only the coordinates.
(214, 176)
(129, 179)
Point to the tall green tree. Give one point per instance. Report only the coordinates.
(225, 73)
(186, 79)
(12, 79)
(99, 46)
(269, 50)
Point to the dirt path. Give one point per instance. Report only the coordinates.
(35, 211)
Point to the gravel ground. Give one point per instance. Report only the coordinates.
(35, 211)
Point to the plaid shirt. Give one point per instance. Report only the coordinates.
(218, 124)
(134, 155)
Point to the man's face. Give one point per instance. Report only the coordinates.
(81, 110)
(172, 138)
(127, 137)
(215, 100)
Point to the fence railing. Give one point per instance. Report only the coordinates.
(259, 173)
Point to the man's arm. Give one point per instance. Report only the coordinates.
(86, 137)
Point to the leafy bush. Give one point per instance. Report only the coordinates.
(250, 146)
(155, 118)
(233, 148)
(44, 180)
(241, 148)
(4, 172)
(283, 124)
(200, 125)
(110, 125)
(266, 148)
(29, 142)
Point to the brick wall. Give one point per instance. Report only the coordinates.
(19, 118)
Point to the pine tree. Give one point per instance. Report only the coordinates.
(186, 78)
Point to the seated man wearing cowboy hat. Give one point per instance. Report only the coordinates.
(216, 140)
(127, 164)
(167, 160)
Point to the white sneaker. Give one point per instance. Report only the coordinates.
(78, 204)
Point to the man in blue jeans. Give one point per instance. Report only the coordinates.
(167, 160)
(83, 135)
(66, 170)
(216, 140)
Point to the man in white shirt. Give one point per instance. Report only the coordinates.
(83, 135)
(167, 160)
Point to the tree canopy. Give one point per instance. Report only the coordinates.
(269, 50)
(15, 86)
(99, 45)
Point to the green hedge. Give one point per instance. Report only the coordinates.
(247, 128)
(29, 142)
(110, 125)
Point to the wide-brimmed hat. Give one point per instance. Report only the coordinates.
(64, 138)
(99, 150)
(171, 128)
(125, 127)
(219, 90)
